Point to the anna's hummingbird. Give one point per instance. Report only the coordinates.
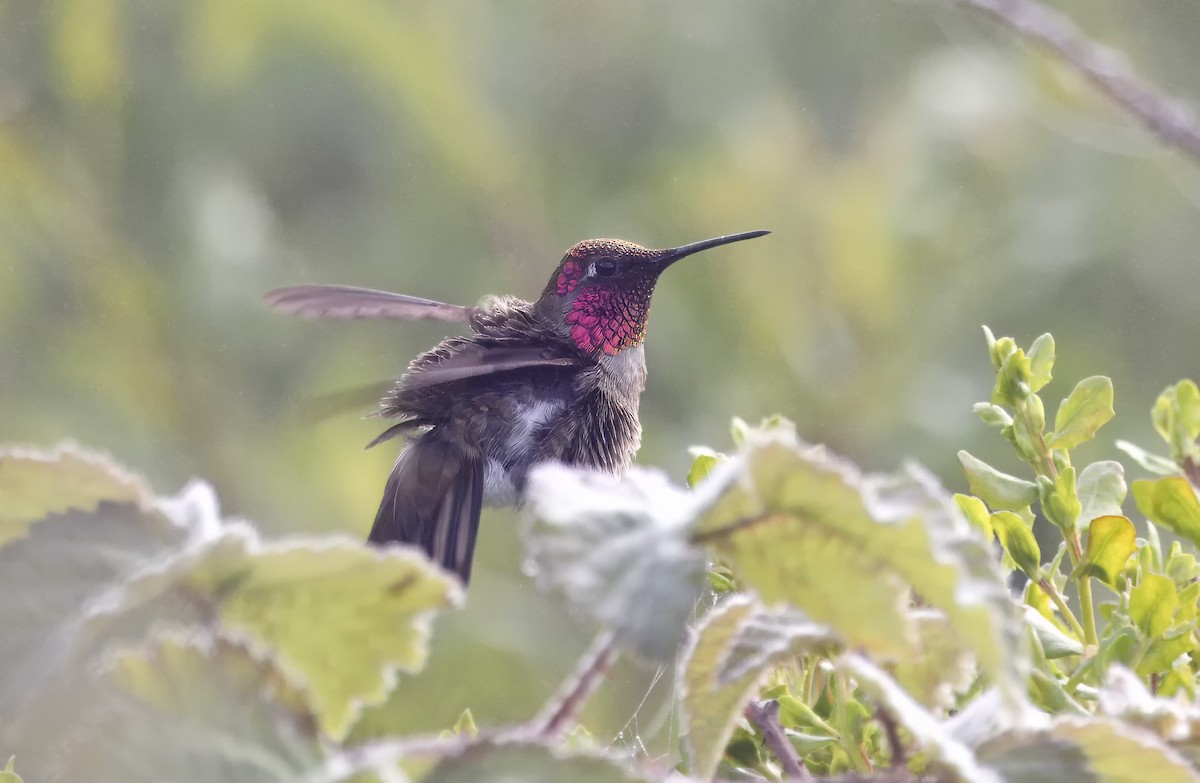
(553, 380)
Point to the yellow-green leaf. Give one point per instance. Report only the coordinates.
(1013, 380)
(1163, 650)
(703, 461)
(976, 513)
(1101, 490)
(36, 484)
(1152, 604)
(1041, 361)
(1018, 541)
(1096, 750)
(802, 527)
(734, 647)
(8, 774)
(342, 617)
(1085, 410)
(1172, 502)
(1176, 416)
(1111, 541)
(999, 490)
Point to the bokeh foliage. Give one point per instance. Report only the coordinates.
(162, 164)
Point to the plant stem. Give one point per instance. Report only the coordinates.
(564, 708)
(1050, 590)
(765, 715)
(1085, 609)
(847, 739)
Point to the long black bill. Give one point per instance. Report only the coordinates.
(668, 257)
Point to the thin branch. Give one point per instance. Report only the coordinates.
(892, 730)
(765, 715)
(564, 708)
(1172, 120)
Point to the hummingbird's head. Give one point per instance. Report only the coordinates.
(602, 287)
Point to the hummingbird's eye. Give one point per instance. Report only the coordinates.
(605, 267)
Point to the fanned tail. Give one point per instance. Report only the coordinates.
(433, 499)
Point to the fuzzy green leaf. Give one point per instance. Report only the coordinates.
(606, 544)
(342, 617)
(1100, 751)
(735, 645)
(210, 709)
(1152, 604)
(1110, 543)
(1172, 502)
(1041, 361)
(1018, 541)
(1085, 410)
(999, 490)
(1101, 490)
(931, 735)
(802, 527)
(36, 484)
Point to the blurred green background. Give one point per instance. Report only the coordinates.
(163, 164)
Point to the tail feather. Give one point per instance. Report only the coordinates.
(433, 500)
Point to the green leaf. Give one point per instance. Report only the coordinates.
(1041, 361)
(805, 528)
(606, 544)
(1103, 751)
(36, 484)
(942, 665)
(1013, 380)
(54, 580)
(1055, 643)
(209, 708)
(9, 775)
(703, 461)
(1176, 416)
(1060, 503)
(999, 490)
(929, 734)
(463, 727)
(1101, 490)
(976, 513)
(1152, 604)
(1111, 542)
(992, 415)
(735, 645)
(1151, 462)
(1171, 502)
(1018, 542)
(1088, 407)
(1163, 650)
(342, 617)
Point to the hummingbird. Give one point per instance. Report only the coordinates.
(557, 379)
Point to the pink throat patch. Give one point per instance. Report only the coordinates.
(607, 319)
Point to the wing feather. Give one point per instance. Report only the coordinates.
(348, 302)
(467, 359)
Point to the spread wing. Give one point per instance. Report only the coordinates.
(458, 359)
(346, 302)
